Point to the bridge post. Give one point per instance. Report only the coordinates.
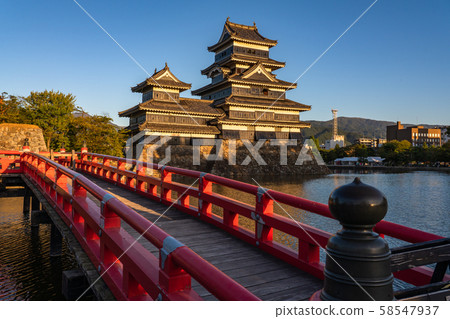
(166, 177)
(26, 201)
(35, 203)
(263, 207)
(106, 173)
(358, 262)
(26, 145)
(120, 167)
(74, 159)
(84, 151)
(171, 276)
(55, 242)
(204, 187)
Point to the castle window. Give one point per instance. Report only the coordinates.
(265, 91)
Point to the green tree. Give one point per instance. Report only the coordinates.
(52, 112)
(316, 141)
(396, 152)
(340, 151)
(361, 150)
(11, 109)
(100, 134)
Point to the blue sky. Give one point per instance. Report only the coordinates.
(394, 64)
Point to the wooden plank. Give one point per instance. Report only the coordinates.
(230, 264)
(292, 294)
(251, 270)
(306, 284)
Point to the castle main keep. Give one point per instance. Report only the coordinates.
(245, 99)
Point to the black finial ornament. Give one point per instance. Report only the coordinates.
(358, 262)
(165, 66)
(228, 19)
(155, 71)
(26, 142)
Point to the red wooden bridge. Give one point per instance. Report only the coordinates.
(152, 237)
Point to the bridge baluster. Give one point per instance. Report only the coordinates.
(61, 182)
(50, 180)
(94, 160)
(263, 207)
(308, 252)
(132, 288)
(120, 167)
(41, 173)
(84, 157)
(172, 277)
(106, 169)
(204, 187)
(230, 219)
(166, 177)
(140, 171)
(79, 194)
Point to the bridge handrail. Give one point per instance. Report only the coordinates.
(10, 152)
(175, 270)
(265, 220)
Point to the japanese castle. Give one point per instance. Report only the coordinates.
(244, 100)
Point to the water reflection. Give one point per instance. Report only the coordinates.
(416, 199)
(26, 270)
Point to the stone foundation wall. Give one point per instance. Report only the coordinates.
(12, 137)
(183, 156)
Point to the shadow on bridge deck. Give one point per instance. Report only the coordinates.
(262, 274)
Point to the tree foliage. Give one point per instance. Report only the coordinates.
(52, 112)
(11, 109)
(99, 133)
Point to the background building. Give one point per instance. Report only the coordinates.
(416, 135)
(371, 142)
(336, 139)
(444, 137)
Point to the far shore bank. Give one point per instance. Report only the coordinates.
(388, 168)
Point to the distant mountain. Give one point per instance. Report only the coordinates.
(352, 127)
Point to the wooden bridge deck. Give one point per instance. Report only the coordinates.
(262, 274)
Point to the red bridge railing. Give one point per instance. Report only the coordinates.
(10, 162)
(131, 174)
(131, 271)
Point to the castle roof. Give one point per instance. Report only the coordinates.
(244, 59)
(240, 32)
(254, 75)
(184, 105)
(179, 128)
(163, 78)
(254, 102)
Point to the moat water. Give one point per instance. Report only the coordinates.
(416, 199)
